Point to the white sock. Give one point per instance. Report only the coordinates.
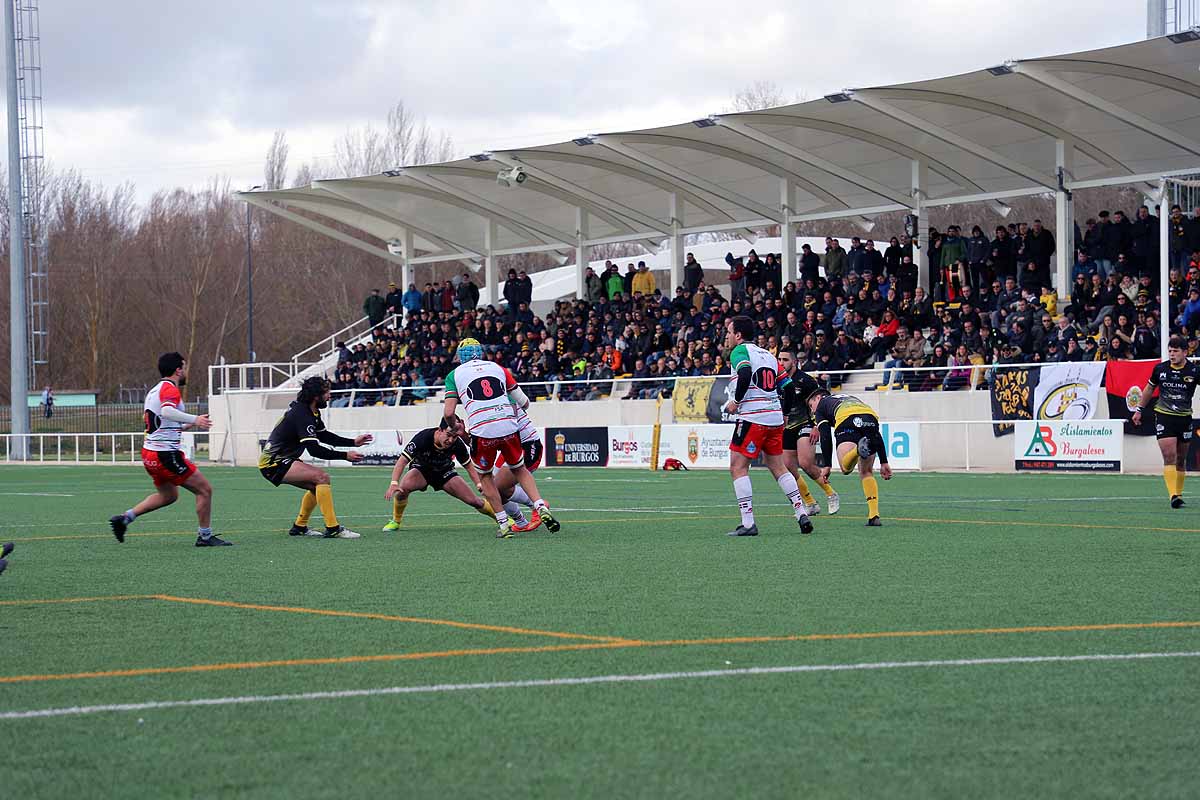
(519, 496)
(787, 482)
(513, 510)
(745, 499)
(538, 505)
(501, 517)
(204, 533)
(130, 516)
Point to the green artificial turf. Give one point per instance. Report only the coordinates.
(643, 570)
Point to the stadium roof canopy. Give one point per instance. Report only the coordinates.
(1119, 115)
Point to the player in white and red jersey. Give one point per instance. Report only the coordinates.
(163, 456)
(506, 482)
(490, 395)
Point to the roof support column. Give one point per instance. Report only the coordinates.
(787, 232)
(491, 274)
(406, 268)
(1064, 218)
(1164, 266)
(676, 275)
(582, 252)
(920, 177)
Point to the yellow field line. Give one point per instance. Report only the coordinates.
(78, 600)
(613, 645)
(388, 617)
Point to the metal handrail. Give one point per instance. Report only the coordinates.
(389, 321)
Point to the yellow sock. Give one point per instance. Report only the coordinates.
(871, 492)
(805, 494)
(1171, 479)
(826, 488)
(398, 507)
(487, 509)
(848, 460)
(1180, 474)
(325, 501)
(307, 504)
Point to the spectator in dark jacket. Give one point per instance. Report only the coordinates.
(468, 294)
(979, 250)
(1145, 241)
(810, 264)
(394, 300)
(1039, 248)
(374, 307)
(512, 290)
(693, 274)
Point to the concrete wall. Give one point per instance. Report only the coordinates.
(955, 432)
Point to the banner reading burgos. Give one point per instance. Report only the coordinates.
(576, 447)
(1090, 445)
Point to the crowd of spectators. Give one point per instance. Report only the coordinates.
(991, 301)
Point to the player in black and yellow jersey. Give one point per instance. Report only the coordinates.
(1175, 380)
(797, 429)
(429, 458)
(302, 429)
(849, 428)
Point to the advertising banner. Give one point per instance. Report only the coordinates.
(903, 442)
(629, 445)
(383, 450)
(577, 447)
(1089, 446)
(1070, 391)
(690, 399)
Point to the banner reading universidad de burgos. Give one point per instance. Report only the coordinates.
(1070, 391)
(1086, 446)
(1012, 396)
(576, 447)
(690, 399)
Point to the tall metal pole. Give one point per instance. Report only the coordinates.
(250, 291)
(19, 344)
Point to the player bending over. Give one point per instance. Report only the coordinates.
(5, 549)
(511, 493)
(431, 455)
(797, 446)
(854, 426)
(488, 392)
(299, 429)
(163, 457)
(1175, 379)
(759, 426)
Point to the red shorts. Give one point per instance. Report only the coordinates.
(484, 450)
(533, 455)
(750, 439)
(167, 467)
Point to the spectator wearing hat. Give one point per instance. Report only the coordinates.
(394, 300)
(643, 281)
(737, 277)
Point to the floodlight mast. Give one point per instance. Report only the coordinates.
(18, 449)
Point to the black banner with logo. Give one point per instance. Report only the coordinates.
(576, 447)
(1012, 396)
(717, 398)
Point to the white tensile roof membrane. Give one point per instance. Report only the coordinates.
(1122, 114)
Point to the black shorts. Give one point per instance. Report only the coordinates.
(436, 477)
(1170, 426)
(855, 427)
(275, 473)
(793, 436)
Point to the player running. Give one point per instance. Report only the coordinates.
(431, 455)
(163, 457)
(511, 493)
(489, 392)
(299, 429)
(1175, 379)
(854, 426)
(797, 446)
(759, 426)
(5, 549)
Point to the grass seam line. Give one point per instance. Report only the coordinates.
(611, 645)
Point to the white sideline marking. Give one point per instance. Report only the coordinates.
(71, 711)
(35, 494)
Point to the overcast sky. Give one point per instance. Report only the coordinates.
(166, 93)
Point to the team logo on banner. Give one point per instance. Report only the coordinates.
(1068, 391)
(1133, 398)
(693, 445)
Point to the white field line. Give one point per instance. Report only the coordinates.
(35, 494)
(73, 711)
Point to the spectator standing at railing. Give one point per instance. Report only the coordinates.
(374, 308)
(394, 300)
(693, 274)
(593, 287)
(1144, 241)
(643, 281)
(737, 277)
(411, 301)
(614, 285)
(1177, 239)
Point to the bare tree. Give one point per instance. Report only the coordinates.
(760, 95)
(275, 170)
